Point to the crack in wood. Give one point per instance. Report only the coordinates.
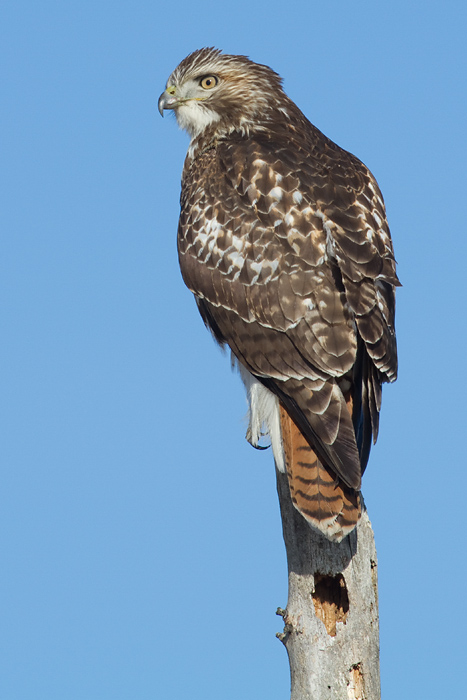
(355, 687)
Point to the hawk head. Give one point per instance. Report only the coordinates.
(209, 87)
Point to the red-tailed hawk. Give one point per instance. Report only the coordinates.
(283, 241)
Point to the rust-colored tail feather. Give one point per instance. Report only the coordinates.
(316, 492)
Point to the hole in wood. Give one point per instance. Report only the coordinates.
(331, 601)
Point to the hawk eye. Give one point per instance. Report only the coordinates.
(208, 82)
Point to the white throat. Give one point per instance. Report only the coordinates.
(194, 118)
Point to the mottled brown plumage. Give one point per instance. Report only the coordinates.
(284, 242)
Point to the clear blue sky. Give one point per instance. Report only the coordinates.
(141, 547)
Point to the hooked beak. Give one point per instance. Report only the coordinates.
(167, 100)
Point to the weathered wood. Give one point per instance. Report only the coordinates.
(331, 624)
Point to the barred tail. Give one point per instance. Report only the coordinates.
(323, 500)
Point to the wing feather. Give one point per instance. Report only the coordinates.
(283, 240)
